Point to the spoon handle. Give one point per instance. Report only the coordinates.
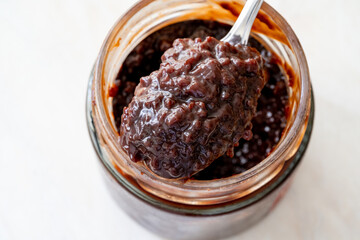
(242, 27)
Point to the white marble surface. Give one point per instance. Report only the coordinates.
(50, 186)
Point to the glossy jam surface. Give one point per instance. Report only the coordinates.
(194, 108)
(270, 117)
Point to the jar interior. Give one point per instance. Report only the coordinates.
(150, 16)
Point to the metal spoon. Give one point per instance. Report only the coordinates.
(240, 32)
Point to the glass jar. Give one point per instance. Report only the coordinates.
(197, 209)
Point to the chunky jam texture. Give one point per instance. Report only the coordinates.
(195, 108)
(268, 122)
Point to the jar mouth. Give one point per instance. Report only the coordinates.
(197, 191)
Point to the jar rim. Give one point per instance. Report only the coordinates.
(204, 185)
